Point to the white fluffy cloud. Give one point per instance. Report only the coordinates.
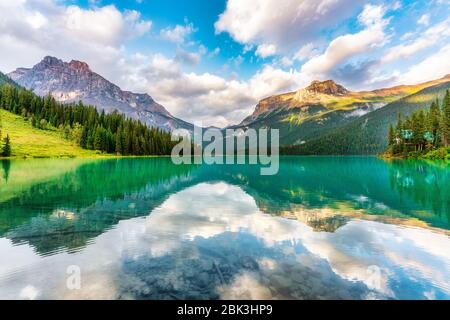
(266, 50)
(433, 67)
(29, 30)
(305, 52)
(426, 39)
(179, 33)
(281, 23)
(105, 25)
(33, 29)
(204, 97)
(347, 46)
(188, 58)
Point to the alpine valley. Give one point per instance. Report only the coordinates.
(320, 171)
(323, 118)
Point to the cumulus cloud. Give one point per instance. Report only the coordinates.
(426, 39)
(179, 33)
(266, 50)
(286, 62)
(30, 30)
(347, 46)
(217, 101)
(355, 74)
(305, 52)
(188, 58)
(433, 67)
(97, 35)
(205, 97)
(105, 25)
(282, 24)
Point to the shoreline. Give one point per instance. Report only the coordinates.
(99, 157)
(382, 156)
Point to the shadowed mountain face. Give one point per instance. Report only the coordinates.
(74, 81)
(322, 108)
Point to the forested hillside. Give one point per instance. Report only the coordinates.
(322, 108)
(423, 134)
(369, 133)
(108, 133)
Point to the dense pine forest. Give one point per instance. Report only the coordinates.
(109, 133)
(424, 133)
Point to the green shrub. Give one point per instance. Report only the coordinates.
(439, 154)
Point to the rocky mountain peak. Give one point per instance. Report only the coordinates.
(74, 81)
(327, 87)
(51, 61)
(79, 65)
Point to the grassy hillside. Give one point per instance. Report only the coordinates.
(34, 143)
(368, 134)
(31, 142)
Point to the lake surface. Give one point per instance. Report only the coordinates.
(323, 228)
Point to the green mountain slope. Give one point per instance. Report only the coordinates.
(31, 142)
(35, 143)
(368, 134)
(322, 108)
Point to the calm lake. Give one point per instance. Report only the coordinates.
(323, 228)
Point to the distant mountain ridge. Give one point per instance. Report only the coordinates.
(322, 108)
(368, 134)
(74, 81)
(324, 113)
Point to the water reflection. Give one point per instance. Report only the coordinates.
(82, 203)
(145, 229)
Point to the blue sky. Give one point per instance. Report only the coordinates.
(213, 60)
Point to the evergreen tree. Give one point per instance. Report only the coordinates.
(98, 139)
(119, 142)
(84, 137)
(433, 123)
(391, 137)
(445, 120)
(422, 130)
(6, 147)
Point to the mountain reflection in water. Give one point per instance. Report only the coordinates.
(146, 229)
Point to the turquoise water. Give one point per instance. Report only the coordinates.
(323, 228)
